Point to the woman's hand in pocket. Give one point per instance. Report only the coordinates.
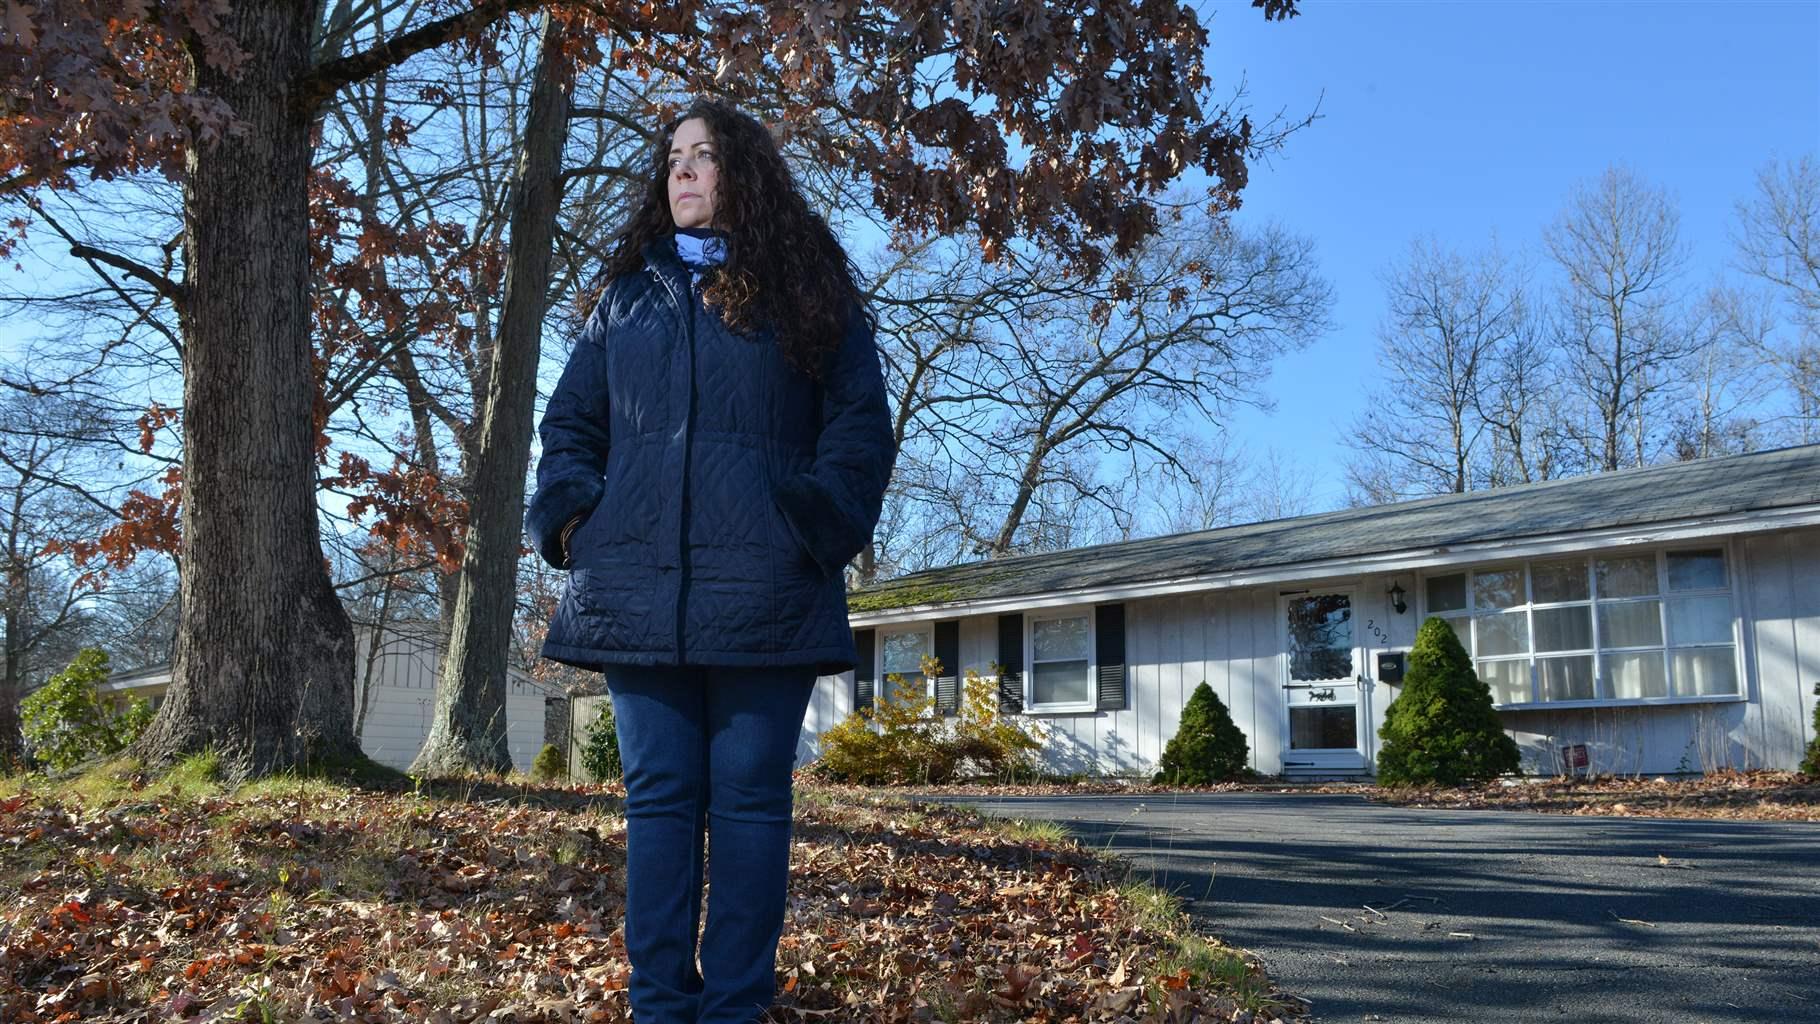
(567, 559)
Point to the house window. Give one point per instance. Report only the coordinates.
(902, 652)
(1620, 628)
(1059, 651)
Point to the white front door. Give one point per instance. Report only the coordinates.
(1323, 665)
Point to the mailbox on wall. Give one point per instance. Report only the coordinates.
(1390, 666)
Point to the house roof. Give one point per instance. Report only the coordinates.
(1759, 482)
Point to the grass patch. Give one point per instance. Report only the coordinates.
(1190, 957)
(1035, 830)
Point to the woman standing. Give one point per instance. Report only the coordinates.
(716, 451)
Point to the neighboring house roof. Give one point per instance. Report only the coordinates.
(1759, 490)
(151, 675)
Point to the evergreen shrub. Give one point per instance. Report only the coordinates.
(65, 721)
(1442, 728)
(1207, 746)
(600, 746)
(549, 765)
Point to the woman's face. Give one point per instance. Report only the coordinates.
(694, 167)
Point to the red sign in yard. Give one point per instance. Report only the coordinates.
(1574, 757)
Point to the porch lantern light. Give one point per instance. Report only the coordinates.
(1396, 598)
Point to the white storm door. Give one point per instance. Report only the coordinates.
(1322, 666)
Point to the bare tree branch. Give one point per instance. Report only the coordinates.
(327, 78)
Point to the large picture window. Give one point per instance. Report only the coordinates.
(1616, 628)
(1060, 655)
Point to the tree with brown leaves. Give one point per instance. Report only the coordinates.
(918, 100)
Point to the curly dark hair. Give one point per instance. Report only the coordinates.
(784, 267)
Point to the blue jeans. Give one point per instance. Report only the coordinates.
(706, 746)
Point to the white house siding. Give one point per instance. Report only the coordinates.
(831, 702)
(404, 696)
(1230, 638)
(1653, 739)
(1783, 603)
(1233, 639)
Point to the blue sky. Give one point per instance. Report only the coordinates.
(1466, 120)
(1469, 118)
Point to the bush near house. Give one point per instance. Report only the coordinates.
(1207, 747)
(1442, 729)
(988, 743)
(549, 764)
(66, 722)
(600, 750)
(911, 745)
(901, 749)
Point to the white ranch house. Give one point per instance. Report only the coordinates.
(404, 674)
(1656, 620)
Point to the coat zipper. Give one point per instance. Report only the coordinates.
(685, 313)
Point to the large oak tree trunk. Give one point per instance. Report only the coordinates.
(468, 730)
(264, 663)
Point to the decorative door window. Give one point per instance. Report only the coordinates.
(1320, 637)
(1322, 691)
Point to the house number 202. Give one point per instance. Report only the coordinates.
(1372, 625)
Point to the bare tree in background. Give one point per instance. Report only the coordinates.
(1212, 490)
(49, 608)
(1523, 406)
(1007, 386)
(1723, 377)
(941, 313)
(1618, 242)
(39, 602)
(1449, 314)
(1778, 241)
(1279, 486)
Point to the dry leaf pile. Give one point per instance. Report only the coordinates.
(334, 904)
(1754, 795)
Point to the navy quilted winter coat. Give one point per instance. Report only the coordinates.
(724, 491)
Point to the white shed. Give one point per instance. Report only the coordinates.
(403, 672)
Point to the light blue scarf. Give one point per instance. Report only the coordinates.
(700, 248)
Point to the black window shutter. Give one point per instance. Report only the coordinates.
(1011, 658)
(863, 640)
(948, 652)
(1109, 645)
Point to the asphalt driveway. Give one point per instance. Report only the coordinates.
(1482, 916)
